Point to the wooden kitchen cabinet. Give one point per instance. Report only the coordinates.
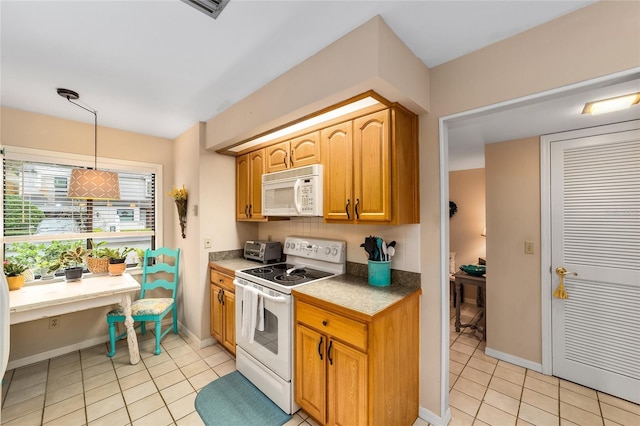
(223, 321)
(371, 168)
(249, 170)
(297, 152)
(355, 369)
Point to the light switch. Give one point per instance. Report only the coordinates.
(529, 247)
(207, 242)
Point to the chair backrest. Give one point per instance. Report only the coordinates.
(160, 265)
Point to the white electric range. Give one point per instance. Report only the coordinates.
(264, 344)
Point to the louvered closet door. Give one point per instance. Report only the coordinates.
(595, 215)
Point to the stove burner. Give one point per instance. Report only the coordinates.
(289, 278)
(263, 270)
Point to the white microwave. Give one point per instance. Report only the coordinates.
(293, 192)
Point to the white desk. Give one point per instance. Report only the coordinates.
(46, 300)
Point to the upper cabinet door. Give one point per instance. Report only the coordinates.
(372, 167)
(336, 150)
(297, 152)
(277, 157)
(305, 150)
(242, 187)
(257, 166)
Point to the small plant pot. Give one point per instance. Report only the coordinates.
(15, 282)
(117, 266)
(97, 265)
(46, 275)
(73, 274)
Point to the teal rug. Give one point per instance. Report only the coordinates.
(233, 400)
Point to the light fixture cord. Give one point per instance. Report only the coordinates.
(95, 131)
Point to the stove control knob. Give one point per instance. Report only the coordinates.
(334, 251)
(286, 245)
(327, 251)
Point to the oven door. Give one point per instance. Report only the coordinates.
(272, 346)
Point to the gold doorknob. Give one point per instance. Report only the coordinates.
(560, 292)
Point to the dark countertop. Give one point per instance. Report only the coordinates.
(354, 292)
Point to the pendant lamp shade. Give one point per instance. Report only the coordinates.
(91, 183)
(94, 184)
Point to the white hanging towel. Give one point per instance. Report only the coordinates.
(260, 313)
(249, 312)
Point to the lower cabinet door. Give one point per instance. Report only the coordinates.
(229, 339)
(346, 385)
(310, 372)
(216, 313)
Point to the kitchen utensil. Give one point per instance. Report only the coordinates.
(385, 255)
(392, 251)
(369, 246)
(379, 247)
(392, 243)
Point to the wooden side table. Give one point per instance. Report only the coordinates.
(480, 282)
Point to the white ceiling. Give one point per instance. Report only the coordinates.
(159, 66)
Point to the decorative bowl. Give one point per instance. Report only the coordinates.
(475, 270)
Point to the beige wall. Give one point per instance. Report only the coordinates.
(513, 278)
(467, 189)
(37, 131)
(191, 306)
(369, 57)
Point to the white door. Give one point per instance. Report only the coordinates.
(595, 232)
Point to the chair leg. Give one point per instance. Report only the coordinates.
(112, 338)
(158, 336)
(175, 320)
(143, 327)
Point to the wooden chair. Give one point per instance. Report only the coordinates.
(151, 309)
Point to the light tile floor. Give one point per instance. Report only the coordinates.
(487, 391)
(89, 388)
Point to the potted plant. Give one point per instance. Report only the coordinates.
(97, 260)
(13, 270)
(75, 257)
(117, 259)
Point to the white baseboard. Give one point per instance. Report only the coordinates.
(535, 366)
(17, 363)
(196, 341)
(433, 419)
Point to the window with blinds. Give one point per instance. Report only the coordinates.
(40, 221)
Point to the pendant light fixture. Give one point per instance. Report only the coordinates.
(91, 183)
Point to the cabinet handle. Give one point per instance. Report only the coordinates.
(325, 322)
(220, 280)
(222, 297)
(219, 294)
(320, 348)
(250, 214)
(346, 208)
(284, 160)
(356, 208)
(246, 209)
(292, 158)
(329, 353)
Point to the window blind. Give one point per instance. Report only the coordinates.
(36, 208)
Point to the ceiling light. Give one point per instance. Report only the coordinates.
(612, 104)
(91, 183)
(310, 122)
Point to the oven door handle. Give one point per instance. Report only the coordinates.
(265, 295)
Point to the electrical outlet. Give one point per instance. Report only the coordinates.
(54, 322)
(529, 247)
(207, 242)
